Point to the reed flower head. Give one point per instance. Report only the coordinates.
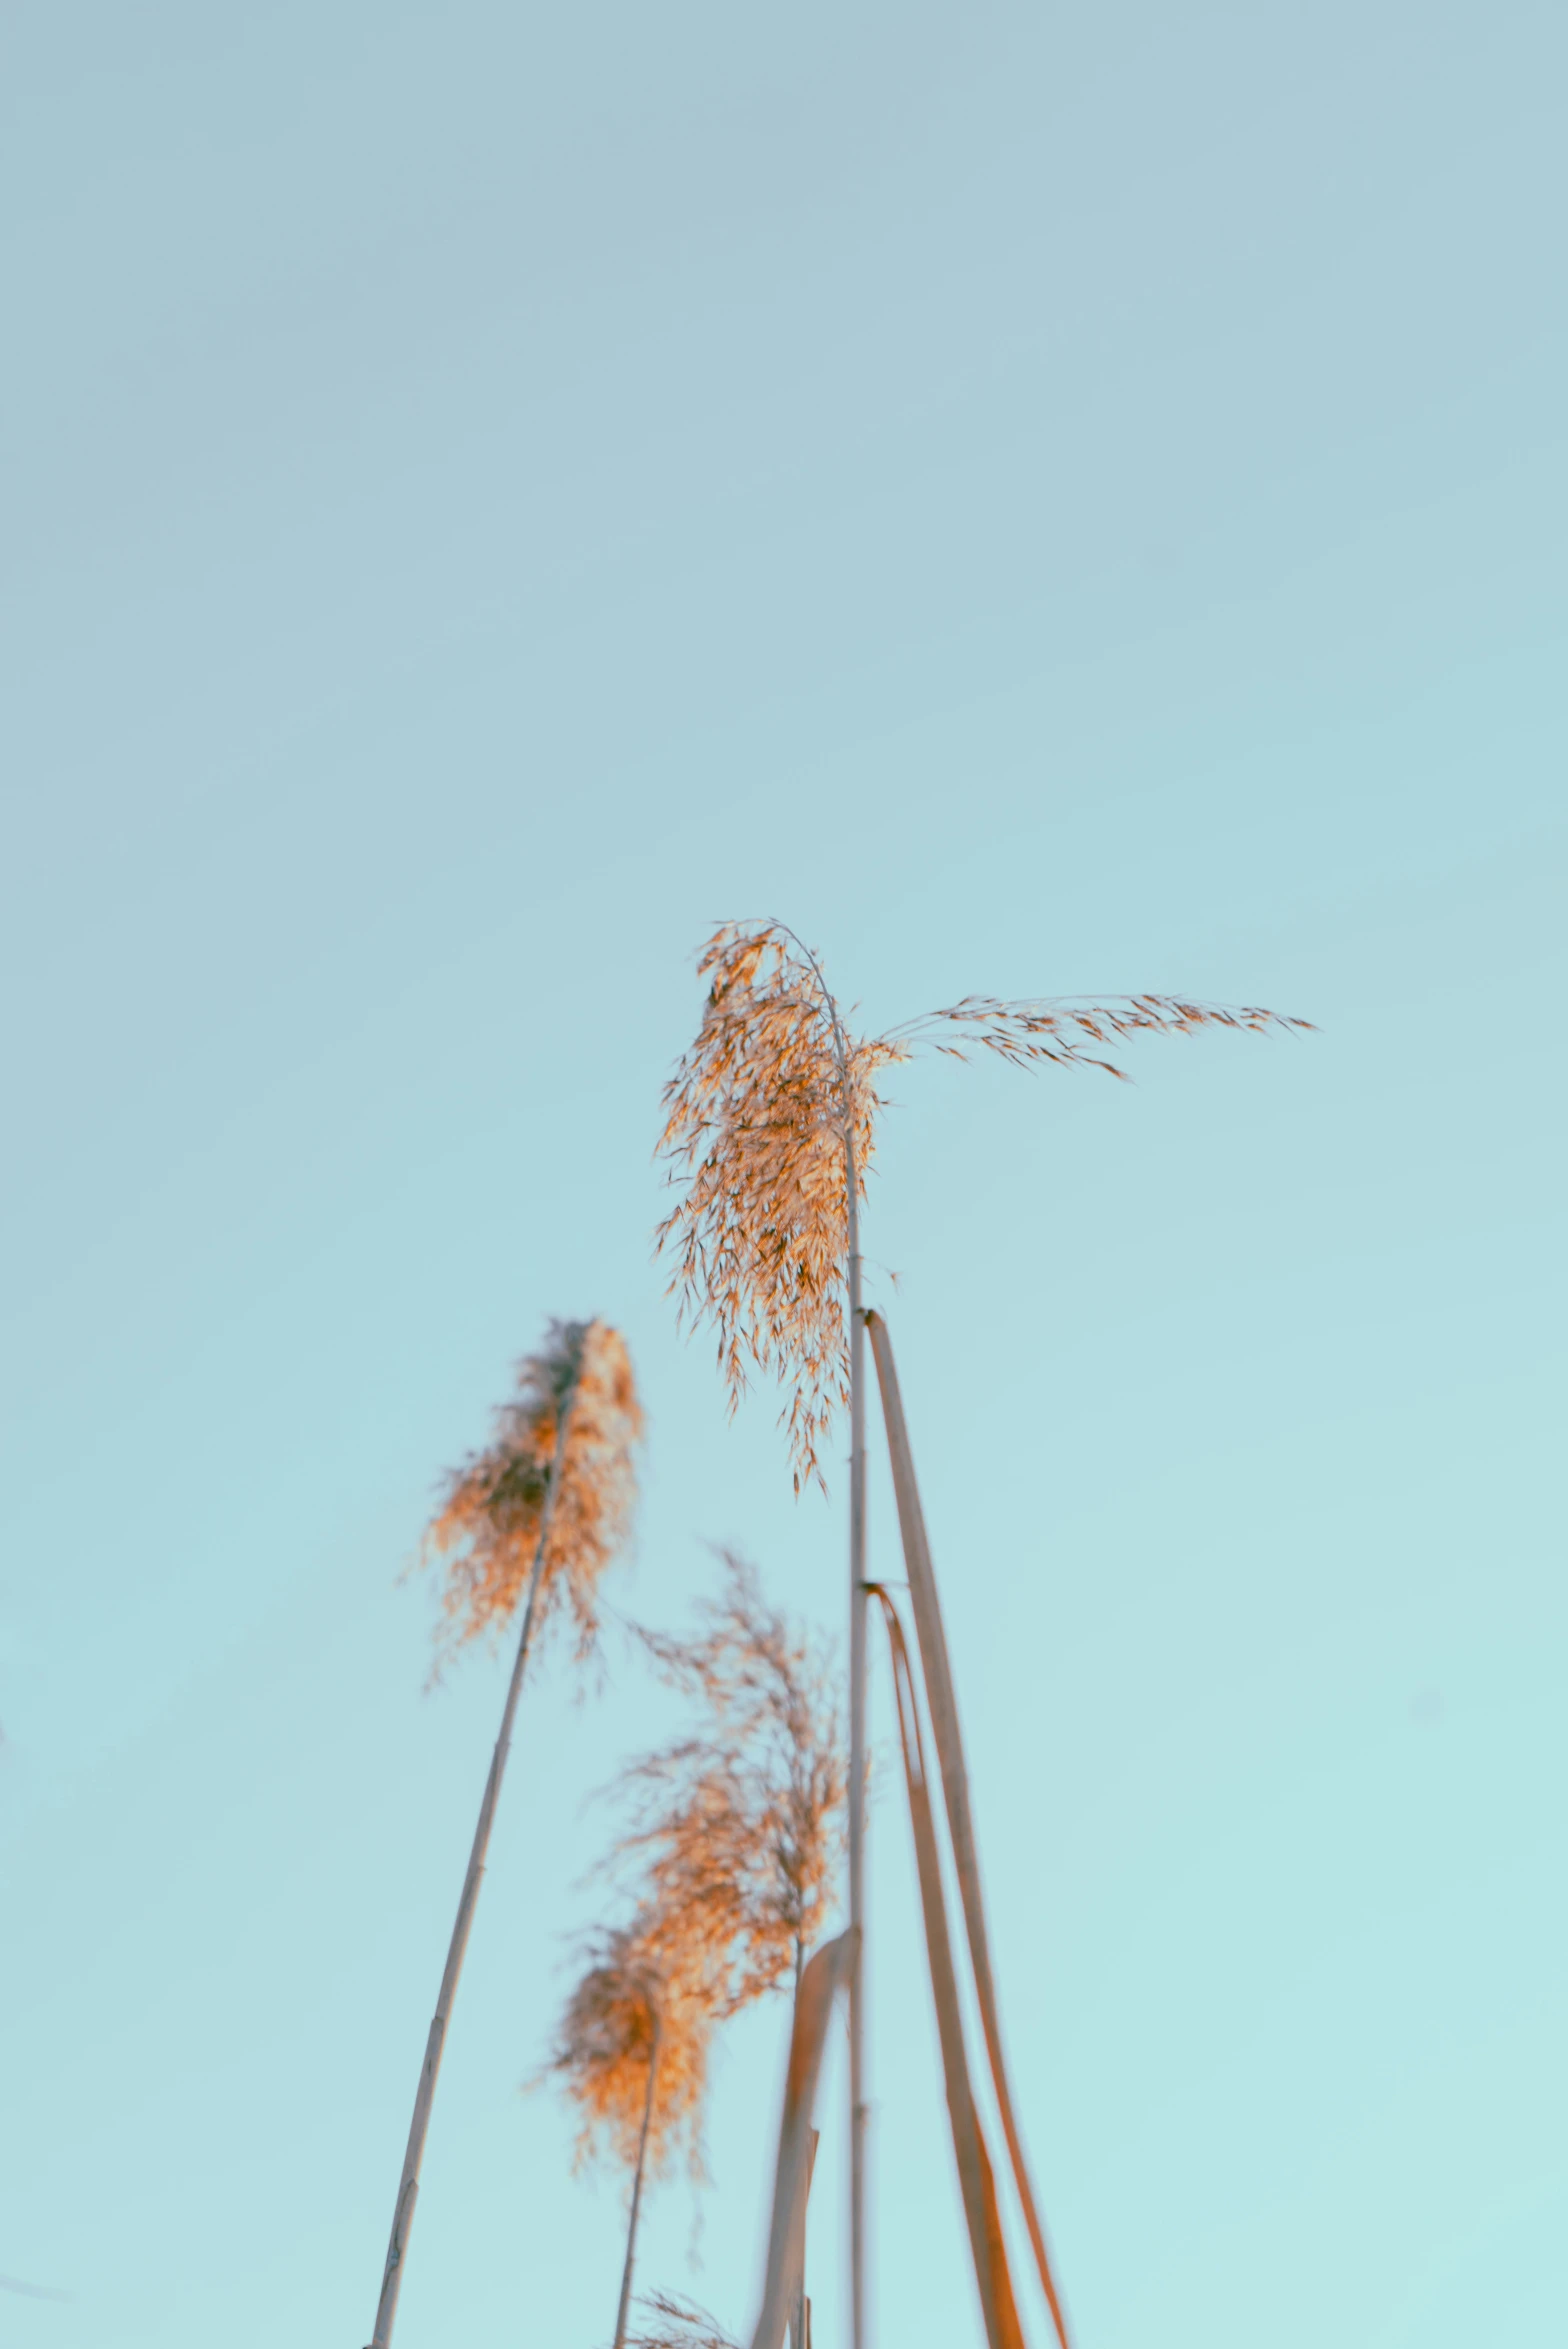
(757, 1115)
(770, 1130)
(643, 1998)
(573, 1420)
(739, 1826)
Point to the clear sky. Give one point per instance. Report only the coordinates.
(1042, 499)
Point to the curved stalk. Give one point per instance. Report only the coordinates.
(408, 2185)
(819, 1986)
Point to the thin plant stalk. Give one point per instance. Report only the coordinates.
(408, 2185)
(637, 2178)
(942, 1700)
(800, 2320)
(859, 2109)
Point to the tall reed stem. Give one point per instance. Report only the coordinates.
(631, 2224)
(408, 2185)
(858, 2112)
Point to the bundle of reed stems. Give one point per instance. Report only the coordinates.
(942, 1699)
(732, 1837)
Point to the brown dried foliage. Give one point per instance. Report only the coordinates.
(739, 1827)
(486, 1534)
(644, 1978)
(757, 1115)
(733, 1843)
(757, 1118)
(673, 2323)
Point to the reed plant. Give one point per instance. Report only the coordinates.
(729, 1849)
(527, 1527)
(770, 1131)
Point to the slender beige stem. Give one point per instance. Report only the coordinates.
(797, 2323)
(631, 2224)
(943, 1702)
(408, 2185)
(858, 2111)
(798, 2320)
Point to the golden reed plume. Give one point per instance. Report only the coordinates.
(631, 2051)
(740, 1825)
(577, 1393)
(641, 2000)
(775, 1102)
(734, 1838)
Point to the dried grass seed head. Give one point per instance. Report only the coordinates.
(485, 1536)
(739, 1827)
(763, 1114)
(756, 1117)
(642, 1992)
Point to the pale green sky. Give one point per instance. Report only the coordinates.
(1042, 500)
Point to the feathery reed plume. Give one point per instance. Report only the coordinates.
(487, 1532)
(769, 1108)
(537, 1515)
(631, 2051)
(641, 1980)
(758, 1114)
(740, 1824)
(673, 2323)
(737, 1827)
